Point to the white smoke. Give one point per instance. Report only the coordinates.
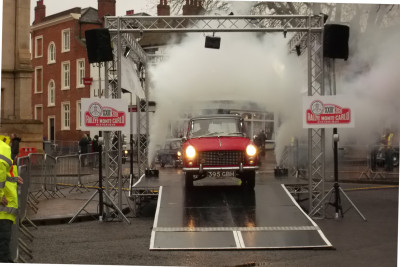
(247, 67)
(258, 68)
(371, 79)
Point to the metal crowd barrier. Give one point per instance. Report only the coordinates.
(295, 159)
(355, 162)
(52, 174)
(38, 180)
(22, 238)
(88, 171)
(383, 163)
(67, 170)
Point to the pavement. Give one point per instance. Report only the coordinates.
(90, 241)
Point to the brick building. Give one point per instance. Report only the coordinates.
(59, 61)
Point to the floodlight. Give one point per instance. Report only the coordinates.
(212, 42)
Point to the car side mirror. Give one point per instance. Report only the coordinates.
(184, 139)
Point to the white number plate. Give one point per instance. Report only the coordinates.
(220, 174)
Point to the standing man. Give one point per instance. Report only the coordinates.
(8, 201)
(15, 140)
(83, 144)
(262, 140)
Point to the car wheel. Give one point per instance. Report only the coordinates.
(188, 180)
(249, 180)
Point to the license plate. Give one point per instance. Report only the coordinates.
(220, 174)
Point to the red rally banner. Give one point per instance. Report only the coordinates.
(104, 114)
(327, 112)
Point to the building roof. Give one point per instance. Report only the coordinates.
(76, 10)
(88, 15)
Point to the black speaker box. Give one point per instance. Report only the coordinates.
(336, 41)
(98, 45)
(212, 42)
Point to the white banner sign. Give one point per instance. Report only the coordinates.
(104, 114)
(327, 112)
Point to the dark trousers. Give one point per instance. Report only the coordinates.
(389, 159)
(5, 240)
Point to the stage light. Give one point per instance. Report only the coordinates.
(212, 42)
(298, 50)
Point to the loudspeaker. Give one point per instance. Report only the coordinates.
(336, 41)
(98, 45)
(212, 42)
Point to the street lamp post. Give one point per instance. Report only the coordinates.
(131, 140)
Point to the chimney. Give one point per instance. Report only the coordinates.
(40, 11)
(105, 8)
(193, 7)
(163, 8)
(130, 12)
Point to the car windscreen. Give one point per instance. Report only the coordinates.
(207, 127)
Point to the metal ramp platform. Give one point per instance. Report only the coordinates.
(227, 217)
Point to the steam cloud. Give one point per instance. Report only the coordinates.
(258, 68)
(371, 79)
(247, 67)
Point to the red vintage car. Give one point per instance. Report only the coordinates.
(218, 146)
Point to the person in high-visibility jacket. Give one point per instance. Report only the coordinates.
(388, 151)
(8, 200)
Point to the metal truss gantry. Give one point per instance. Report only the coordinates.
(308, 37)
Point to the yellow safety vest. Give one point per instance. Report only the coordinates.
(389, 140)
(8, 184)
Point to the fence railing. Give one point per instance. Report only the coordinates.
(355, 162)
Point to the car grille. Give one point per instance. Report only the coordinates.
(220, 158)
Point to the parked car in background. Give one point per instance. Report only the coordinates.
(170, 153)
(218, 146)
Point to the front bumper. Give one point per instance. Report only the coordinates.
(230, 168)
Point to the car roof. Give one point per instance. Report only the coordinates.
(217, 116)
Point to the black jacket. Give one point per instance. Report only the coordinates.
(83, 144)
(15, 145)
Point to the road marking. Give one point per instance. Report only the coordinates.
(305, 214)
(237, 229)
(153, 231)
(237, 241)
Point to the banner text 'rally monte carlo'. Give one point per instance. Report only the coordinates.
(104, 114)
(327, 112)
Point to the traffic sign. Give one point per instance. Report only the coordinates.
(87, 81)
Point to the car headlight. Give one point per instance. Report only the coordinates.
(251, 150)
(126, 152)
(190, 152)
(179, 153)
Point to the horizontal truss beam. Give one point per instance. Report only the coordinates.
(171, 24)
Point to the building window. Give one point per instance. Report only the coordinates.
(51, 94)
(51, 56)
(65, 116)
(65, 40)
(39, 112)
(80, 73)
(39, 46)
(78, 115)
(38, 80)
(65, 75)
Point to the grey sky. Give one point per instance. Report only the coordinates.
(55, 6)
(148, 6)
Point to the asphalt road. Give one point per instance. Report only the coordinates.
(356, 243)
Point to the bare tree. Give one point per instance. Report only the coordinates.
(365, 16)
(208, 5)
